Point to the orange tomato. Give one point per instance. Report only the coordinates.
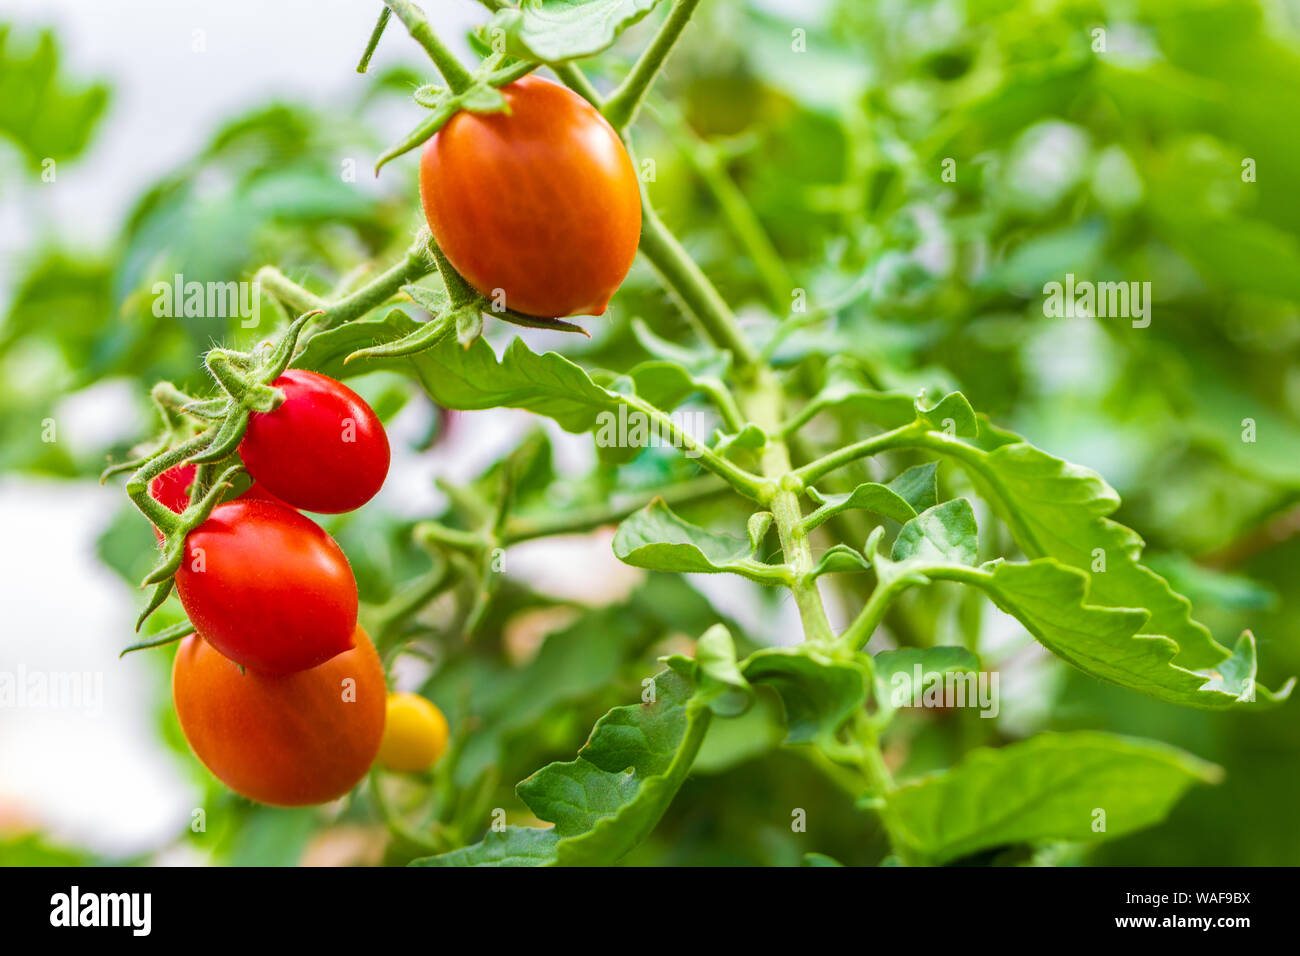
(541, 203)
(288, 740)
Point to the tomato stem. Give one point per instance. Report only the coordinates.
(415, 265)
(622, 105)
(286, 290)
(735, 208)
(373, 42)
(585, 519)
(896, 438)
(746, 482)
(684, 278)
(453, 71)
(763, 403)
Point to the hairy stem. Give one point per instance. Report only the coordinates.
(763, 403)
(452, 70)
(680, 273)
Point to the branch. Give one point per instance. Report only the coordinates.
(621, 107)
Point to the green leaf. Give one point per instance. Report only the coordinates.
(819, 692)
(1056, 509)
(1050, 600)
(749, 438)
(663, 384)
(41, 112)
(554, 31)
(715, 670)
(547, 384)
(869, 496)
(325, 352)
(840, 559)
(845, 387)
(918, 486)
(1060, 510)
(1049, 787)
(945, 533)
(952, 415)
(609, 799)
(657, 539)
(513, 846)
(903, 675)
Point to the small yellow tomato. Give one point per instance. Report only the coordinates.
(415, 734)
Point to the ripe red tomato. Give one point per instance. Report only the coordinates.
(541, 202)
(267, 587)
(323, 450)
(170, 489)
(288, 740)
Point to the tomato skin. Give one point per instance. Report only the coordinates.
(289, 740)
(323, 450)
(415, 734)
(542, 202)
(267, 587)
(170, 488)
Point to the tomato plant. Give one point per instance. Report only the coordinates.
(809, 398)
(539, 201)
(268, 588)
(323, 449)
(289, 739)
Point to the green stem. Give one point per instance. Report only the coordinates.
(722, 399)
(399, 827)
(900, 437)
(857, 634)
(882, 782)
(747, 483)
(574, 79)
(431, 532)
(453, 71)
(763, 403)
(286, 290)
(697, 293)
(580, 520)
(735, 208)
(621, 107)
(411, 267)
(375, 34)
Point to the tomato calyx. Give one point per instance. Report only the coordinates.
(459, 311)
(479, 94)
(204, 433)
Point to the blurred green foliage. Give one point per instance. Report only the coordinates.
(1169, 155)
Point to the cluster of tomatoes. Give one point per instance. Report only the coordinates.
(280, 692)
